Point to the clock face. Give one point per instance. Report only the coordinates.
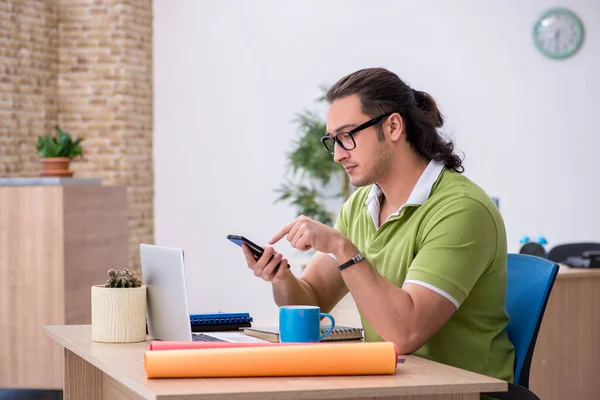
(558, 33)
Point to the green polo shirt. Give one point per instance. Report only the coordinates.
(455, 244)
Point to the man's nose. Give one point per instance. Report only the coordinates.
(339, 154)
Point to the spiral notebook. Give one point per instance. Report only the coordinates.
(220, 322)
(220, 318)
(339, 333)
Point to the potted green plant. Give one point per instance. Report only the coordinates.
(119, 308)
(56, 152)
(314, 178)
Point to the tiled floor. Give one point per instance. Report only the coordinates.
(10, 394)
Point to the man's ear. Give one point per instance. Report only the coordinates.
(396, 127)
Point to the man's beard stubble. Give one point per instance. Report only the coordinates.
(383, 161)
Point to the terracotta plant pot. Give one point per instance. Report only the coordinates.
(118, 314)
(55, 166)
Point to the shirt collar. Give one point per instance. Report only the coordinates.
(418, 196)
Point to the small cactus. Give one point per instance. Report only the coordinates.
(122, 279)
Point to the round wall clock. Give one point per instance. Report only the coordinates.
(558, 33)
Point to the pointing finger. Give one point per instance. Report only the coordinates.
(282, 232)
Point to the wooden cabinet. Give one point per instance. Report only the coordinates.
(55, 243)
(566, 358)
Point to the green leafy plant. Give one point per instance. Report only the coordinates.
(122, 279)
(61, 145)
(312, 169)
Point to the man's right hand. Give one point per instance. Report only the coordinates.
(264, 267)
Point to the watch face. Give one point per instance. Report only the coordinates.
(558, 33)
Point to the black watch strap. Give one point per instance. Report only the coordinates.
(360, 256)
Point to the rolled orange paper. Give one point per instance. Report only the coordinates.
(304, 360)
(177, 345)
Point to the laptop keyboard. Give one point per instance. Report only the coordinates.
(201, 337)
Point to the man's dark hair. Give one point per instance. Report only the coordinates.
(381, 91)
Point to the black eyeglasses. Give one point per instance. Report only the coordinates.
(346, 139)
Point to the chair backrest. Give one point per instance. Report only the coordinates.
(530, 280)
(562, 251)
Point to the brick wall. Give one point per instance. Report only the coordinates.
(28, 84)
(86, 64)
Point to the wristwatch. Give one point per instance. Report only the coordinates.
(360, 256)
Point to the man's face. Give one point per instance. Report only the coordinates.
(372, 157)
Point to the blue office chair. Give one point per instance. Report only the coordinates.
(530, 281)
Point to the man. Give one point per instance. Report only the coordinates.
(420, 247)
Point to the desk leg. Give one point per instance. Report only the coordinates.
(82, 379)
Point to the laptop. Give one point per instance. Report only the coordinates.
(168, 315)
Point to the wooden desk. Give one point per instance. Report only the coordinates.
(95, 371)
(566, 360)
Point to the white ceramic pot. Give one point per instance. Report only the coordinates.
(118, 314)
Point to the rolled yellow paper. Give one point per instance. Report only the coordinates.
(303, 360)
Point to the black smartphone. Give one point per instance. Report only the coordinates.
(254, 248)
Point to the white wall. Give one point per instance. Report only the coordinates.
(229, 76)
